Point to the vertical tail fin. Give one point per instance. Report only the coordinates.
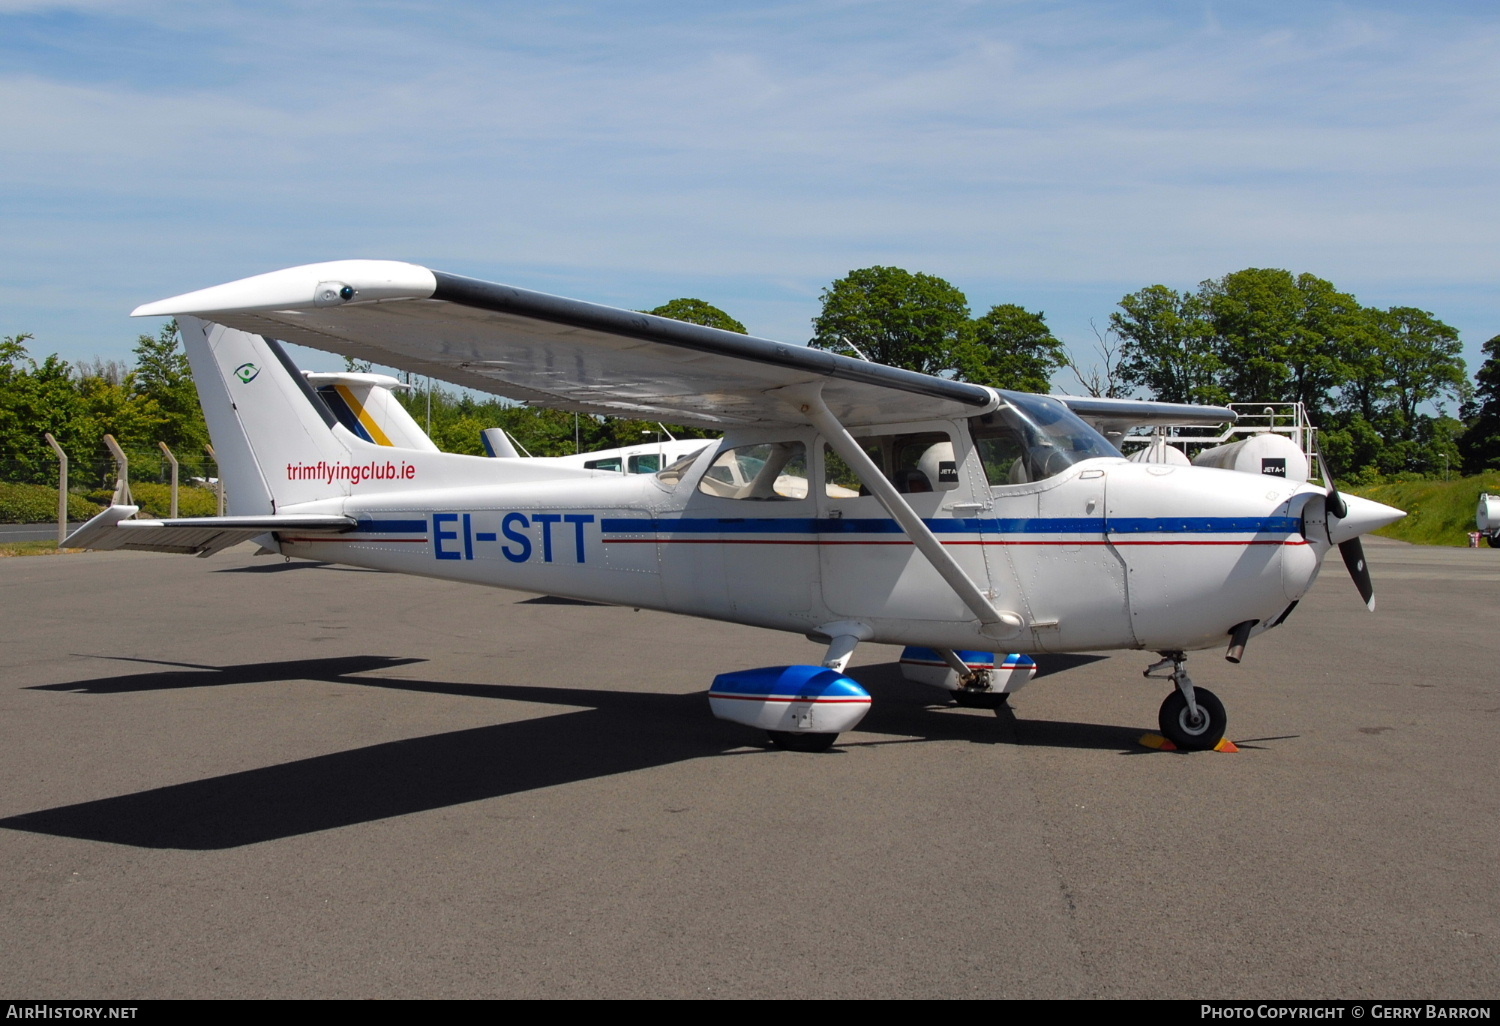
(498, 444)
(365, 405)
(267, 424)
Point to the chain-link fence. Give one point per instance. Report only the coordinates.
(26, 481)
(95, 469)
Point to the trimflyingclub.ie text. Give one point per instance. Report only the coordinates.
(328, 473)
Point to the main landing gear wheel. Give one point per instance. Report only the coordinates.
(801, 742)
(1179, 727)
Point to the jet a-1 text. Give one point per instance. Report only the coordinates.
(846, 501)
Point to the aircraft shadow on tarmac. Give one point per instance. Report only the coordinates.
(618, 732)
(557, 600)
(289, 564)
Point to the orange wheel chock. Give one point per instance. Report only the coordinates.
(1162, 744)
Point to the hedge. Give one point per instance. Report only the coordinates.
(37, 504)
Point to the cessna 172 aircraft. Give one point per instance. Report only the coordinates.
(847, 501)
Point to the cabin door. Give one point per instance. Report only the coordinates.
(870, 568)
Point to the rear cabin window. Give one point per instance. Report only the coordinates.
(642, 463)
(671, 476)
(767, 472)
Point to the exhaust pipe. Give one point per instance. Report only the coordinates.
(1239, 634)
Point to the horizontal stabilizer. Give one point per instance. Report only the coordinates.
(202, 536)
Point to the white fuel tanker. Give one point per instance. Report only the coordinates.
(1487, 519)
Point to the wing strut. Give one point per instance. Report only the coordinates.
(994, 623)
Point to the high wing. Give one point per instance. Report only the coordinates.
(1118, 416)
(562, 353)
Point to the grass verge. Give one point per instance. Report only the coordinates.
(33, 548)
(1437, 512)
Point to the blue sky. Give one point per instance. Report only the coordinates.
(1052, 154)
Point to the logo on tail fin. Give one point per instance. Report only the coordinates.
(246, 372)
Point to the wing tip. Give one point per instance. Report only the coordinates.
(302, 287)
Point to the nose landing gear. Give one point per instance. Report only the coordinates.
(1192, 718)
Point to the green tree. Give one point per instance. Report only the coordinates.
(1259, 334)
(137, 422)
(1166, 347)
(1353, 448)
(696, 311)
(1367, 377)
(1401, 360)
(894, 317)
(13, 350)
(1011, 347)
(1280, 338)
(36, 398)
(1422, 362)
(551, 432)
(1366, 387)
(162, 374)
(13, 424)
(1481, 442)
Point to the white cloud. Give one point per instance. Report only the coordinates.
(1028, 146)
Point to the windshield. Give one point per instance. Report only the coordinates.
(1034, 437)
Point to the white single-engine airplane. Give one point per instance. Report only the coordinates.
(848, 501)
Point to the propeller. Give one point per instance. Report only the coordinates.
(1346, 520)
(1337, 507)
(1354, 558)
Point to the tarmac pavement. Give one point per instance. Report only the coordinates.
(241, 777)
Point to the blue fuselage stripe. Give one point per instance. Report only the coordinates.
(391, 526)
(1027, 525)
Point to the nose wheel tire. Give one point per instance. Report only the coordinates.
(1179, 727)
(801, 742)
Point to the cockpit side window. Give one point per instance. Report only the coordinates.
(917, 462)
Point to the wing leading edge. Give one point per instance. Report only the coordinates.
(1118, 416)
(562, 353)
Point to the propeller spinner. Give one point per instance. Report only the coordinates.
(1345, 518)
